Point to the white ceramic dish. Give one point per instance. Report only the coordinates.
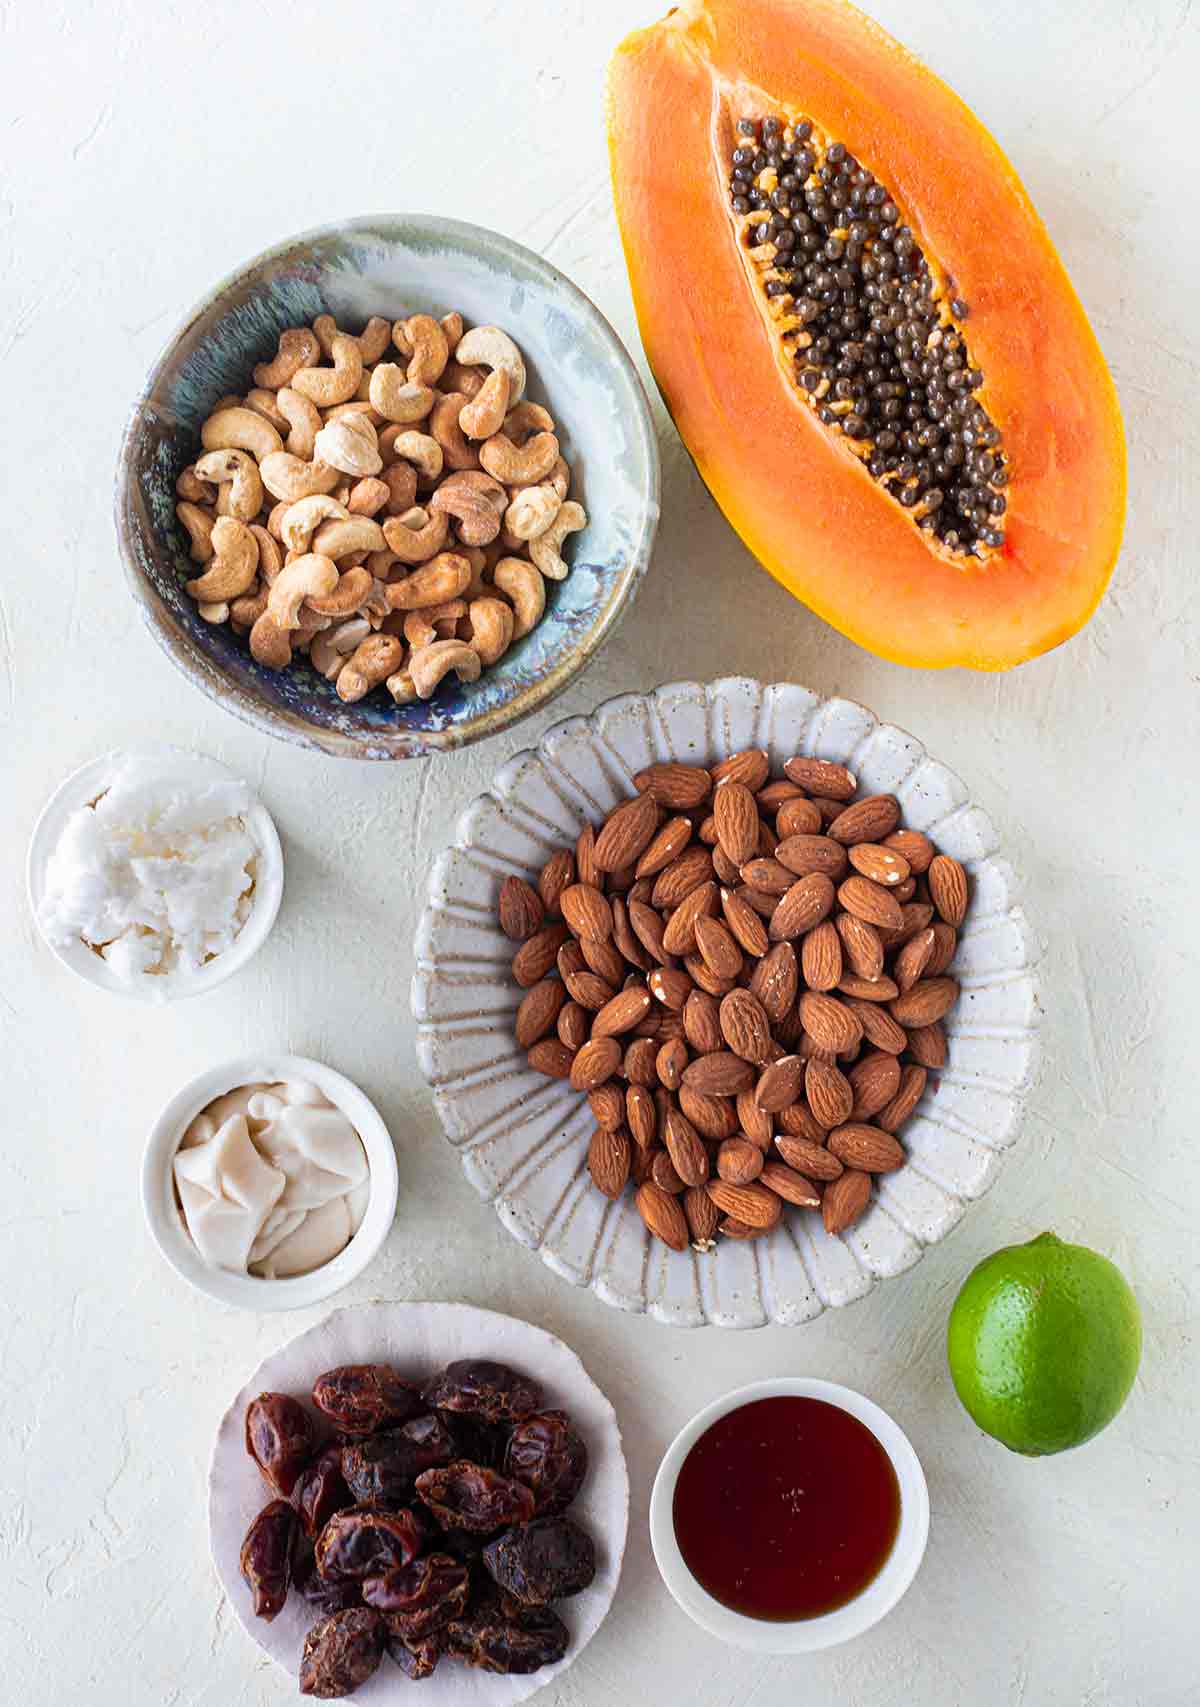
(523, 1138)
(419, 1339)
(801, 1636)
(85, 786)
(166, 1223)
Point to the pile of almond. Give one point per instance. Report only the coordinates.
(747, 977)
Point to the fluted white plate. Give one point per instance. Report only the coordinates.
(523, 1138)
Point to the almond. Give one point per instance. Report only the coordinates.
(670, 986)
(821, 957)
(718, 947)
(868, 820)
(641, 1166)
(608, 1160)
(702, 1217)
(927, 1045)
(874, 1080)
(607, 1106)
(779, 1084)
(879, 1028)
(915, 915)
(763, 901)
(681, 788)
(767, 875)
(586, 869)
(906, 890)
(768, 841)
(520, 909)
(776, 979)
(724, 870)
(551, 1057)
(605, 959)
(662, 1215)
(647, 926)
(771, 796)
(913, 959)
(912, 1082)
(881, 865)
(569, 959)
(589, 990)
(714, 1117)
(793, 1187)
(721, 1074)
(730, 1228)
(917, 849)
(866, 1147)
(747, 928)
(751, 767)
(586, 911)
(627, 833)
(828, 808)
(844, 1199)
(754, 1121)
(797, 817)
(739, 1161)
(703, 976)
(829, 1093)
(556, 875)
(882, 989)
(536, 956)
(862, 945)
(641, 1116)
(867, 901)
(818, 776)
(670, 1061)
(806, 903)
(595, 1062)
(830, 1023)
(804, 853)
(538, 1011)
(948, 889)
(945, 946)
(628, 943)
(688, 1156)
(812, 1160)
(752, 1204)
(574, 1025)
(702, 1022)
(623, 1012)
(667, 844)
(928, 1000)
(797, 1122)
(745, 1028)
(679, 937)
(737, 821)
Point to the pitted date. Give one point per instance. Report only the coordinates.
(341, 1652)
(266, 1557)
(464, 1496)
(381, 1469)
(493, 1642)
(542, 1561)
(488, 1390)
(420, 1598)
(547, 1455)
(324, 1597)
(359, 1398)
(279, 1438)
(365, 1541)
(418, 1658)
(321, 1491)
(475, 1440)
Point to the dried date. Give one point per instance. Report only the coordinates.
(381, 1469)
(321, 1491)
(493, 1642)
(365, 1541)
(421, 1597)
(542, 1561)
(279, 1438)
(359, 1398)
(547, 1455)
(266, 1557)
(341, 1652)
(481, 1388)
(324, 1597)
(418, 1658)
(464, 1496)
(480, 1442)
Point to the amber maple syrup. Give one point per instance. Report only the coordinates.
(786, 1508)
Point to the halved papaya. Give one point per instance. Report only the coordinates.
(863, 332)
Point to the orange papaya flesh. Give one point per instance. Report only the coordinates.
(801, 497)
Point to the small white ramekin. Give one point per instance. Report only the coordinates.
(803, 1635)
(166, 1222)
(83, 787)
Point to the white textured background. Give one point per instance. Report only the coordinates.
(148, 147)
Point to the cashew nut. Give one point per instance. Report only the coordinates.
(286, 476)
(372, 341)
(424, 453)
(304, 419)
(354, 585)
(326, 386)
(309, 577)
(476, 587)
(302, 519)
(199, 525)
(519, 466)
(492, 625)
(559, 478)
(234, 468)
(439, 581)
(488, 346)
(416, 536)
(263, 403)
(372, 661)
(401, 688)
(234, 566)
(429, 346)
(298, 347)
(245, 612)
(398, 398)
(349, 444)
(270, 558)
(332, 646)
(468, 381)
(367, 497)
(231, 400)
(484, 414)
(337, 539)
(476, 502)
(436, 622)
(192, 489)
(240, 429)
(375, 606)
(532, 511)
(545, 549)
(525, 591)
(429, 665)
(270, 643)
(401, 481)
(452, 326)
(214, 613)
(457, 453)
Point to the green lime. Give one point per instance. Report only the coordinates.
(1044, 1341)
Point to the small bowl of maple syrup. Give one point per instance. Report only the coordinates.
(788, 1516)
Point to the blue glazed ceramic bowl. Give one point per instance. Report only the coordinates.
(397, 264)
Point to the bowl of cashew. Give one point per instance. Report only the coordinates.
(344, 494)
